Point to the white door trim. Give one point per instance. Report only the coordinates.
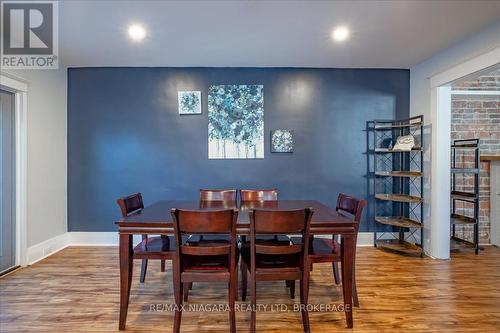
(440, 112)
(20, 88)
(495, 202)
(483, 61)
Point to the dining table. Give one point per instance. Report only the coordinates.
(156, 220)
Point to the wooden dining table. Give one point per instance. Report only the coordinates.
(156, 220)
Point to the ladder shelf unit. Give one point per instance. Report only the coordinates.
(465, 163)
(397, 185)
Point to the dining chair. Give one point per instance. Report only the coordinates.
(324, 250)
(217, 199)
(277, 261)
(259, 195)
(269, 195)
(218, 195)
(205, 261)
(159, 248)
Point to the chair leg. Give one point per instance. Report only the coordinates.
(185, 292)
(292, 288)
(233, 290)
(178, 286)
(304, 297)
(253, 304)
(163, 265)
(144, 267)
(355, 299)
(336, 276)
(287, 283)
(244, 278)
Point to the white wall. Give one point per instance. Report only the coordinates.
(420, 103)
(47, 153)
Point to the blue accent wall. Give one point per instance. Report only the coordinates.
(125, 135)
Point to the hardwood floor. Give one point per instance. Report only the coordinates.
(76, 290)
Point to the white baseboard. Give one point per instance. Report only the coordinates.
(46, 248)
(365, 239)
(96, 238)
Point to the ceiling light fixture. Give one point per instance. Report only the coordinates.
(340, 34)
(136, 32)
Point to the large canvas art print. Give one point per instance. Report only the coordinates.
(235, 121)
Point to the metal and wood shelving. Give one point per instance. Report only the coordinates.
(460, 149)
(397, 186)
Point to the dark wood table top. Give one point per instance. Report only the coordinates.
(158, 214)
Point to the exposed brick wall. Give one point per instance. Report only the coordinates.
(477, 117)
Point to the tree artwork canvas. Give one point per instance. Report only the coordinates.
(235, 121)
(189, 102)
(282, 141)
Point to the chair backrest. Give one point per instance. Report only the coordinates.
(259, 195)
(277, 222)
(130, 204)
(351, 205)
(189, 222)
(218, 195)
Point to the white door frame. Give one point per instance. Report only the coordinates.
(440, 147)
(20, 88)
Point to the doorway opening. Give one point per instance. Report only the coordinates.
(7, 182)
(475, 115)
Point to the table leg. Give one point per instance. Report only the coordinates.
(347, 252)
(126, 268)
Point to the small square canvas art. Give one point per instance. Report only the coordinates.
(189, 102)
(282, 141)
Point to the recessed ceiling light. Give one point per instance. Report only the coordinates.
(136, 32)
(340, 34)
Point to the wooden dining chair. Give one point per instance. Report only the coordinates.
(323, 250)
(218, 195)
(267, 196)
(272, 261)
(205, 261)
(259, 195)
(218, 199)
(158, 248)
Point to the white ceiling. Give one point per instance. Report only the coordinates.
(385, 34)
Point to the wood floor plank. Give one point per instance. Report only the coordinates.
(77, 290)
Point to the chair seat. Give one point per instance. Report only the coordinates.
(319, 247)
(269, 240)
(161, 245)
(208, 238)
(267, 261)
(209, 262)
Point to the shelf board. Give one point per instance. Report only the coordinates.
(464, 196)
(400, 247)
(398, 221)
(461, 219)
(465, 170)
(485, 158)
(398, 198)
(465, 145)
(394, 126)
(398, 173)
(388, 150)
(457, 244)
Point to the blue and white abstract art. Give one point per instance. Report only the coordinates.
(282, 141)
(235, 121)
(189, 102)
